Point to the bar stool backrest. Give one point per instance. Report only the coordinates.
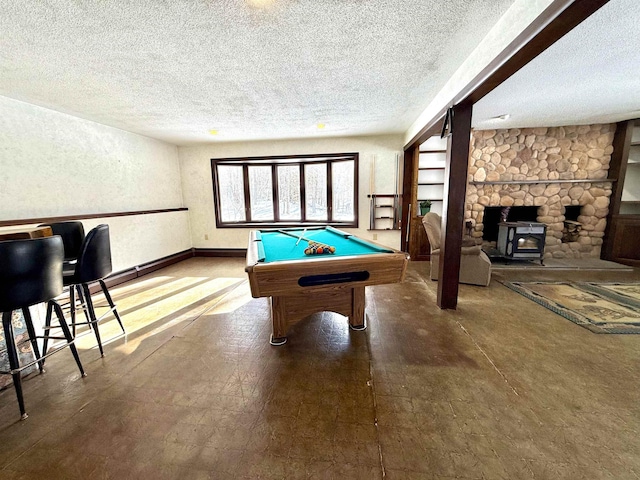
(72, 234)
(94, 262)
(30, 271)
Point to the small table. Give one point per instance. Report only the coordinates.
(300, 284)
(24, 233)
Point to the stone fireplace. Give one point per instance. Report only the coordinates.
(558, 172)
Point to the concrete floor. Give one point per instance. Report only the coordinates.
(500, 388)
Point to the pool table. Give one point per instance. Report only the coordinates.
(300, 284)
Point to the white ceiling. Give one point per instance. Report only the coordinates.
(272, 69)
(174, 70)
(592, 75)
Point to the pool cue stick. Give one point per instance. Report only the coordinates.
(295, 236)
(396, 215)
(301, 235)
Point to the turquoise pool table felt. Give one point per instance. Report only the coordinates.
(279, 246)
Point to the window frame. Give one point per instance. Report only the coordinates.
(285, 160)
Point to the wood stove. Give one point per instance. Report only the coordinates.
(521, 240)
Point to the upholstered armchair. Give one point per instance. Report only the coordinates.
(475, 266)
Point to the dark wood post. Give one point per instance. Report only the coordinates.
(408, 185)
(617, 172)
(453, 206)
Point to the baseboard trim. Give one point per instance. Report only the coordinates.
(219, 252)
(164, 262)
(145, 268)
(628, 261)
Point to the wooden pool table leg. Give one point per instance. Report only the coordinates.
(287, 310)
(279, 320)
(356, 319)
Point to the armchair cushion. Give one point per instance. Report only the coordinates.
(475, 266)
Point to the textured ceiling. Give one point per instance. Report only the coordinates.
(592, 75)
(174, 70)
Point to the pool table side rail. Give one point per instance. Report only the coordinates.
(253, 251)
(280, 278)
(367, 242)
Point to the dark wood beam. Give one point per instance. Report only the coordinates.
(411, 157)
(617, 170)
(559, 18)
(453, 205)
(431, 129)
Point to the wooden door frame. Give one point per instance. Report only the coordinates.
(559, 18)
(617, 172)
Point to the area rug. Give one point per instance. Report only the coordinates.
(598, 307)
(626, 293)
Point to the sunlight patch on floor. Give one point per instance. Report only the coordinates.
(156, 310)
(236, 299)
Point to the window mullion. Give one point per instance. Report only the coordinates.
(356, 188)
(216, 190)
(303, 195)
(247, 194)
(329, 188)
(275, 188)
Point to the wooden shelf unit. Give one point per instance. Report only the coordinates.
(623, 222)
(426, 178)
(384, 212)
(428, 185)
(631, 187)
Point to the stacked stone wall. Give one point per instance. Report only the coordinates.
(535, 161)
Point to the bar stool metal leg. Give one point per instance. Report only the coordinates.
(92, 313)
(67, 334)
(73, 291)
(72, 309)
(83, 304)
(14, 363)
(47, 329)
(111, 304)
(33, 338)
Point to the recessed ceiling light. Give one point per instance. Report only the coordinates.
(260, 3)
(320, 126)
(213, 132)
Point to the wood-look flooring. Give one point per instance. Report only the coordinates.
(500, 388)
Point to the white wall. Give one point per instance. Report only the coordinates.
(197, 187)
(53, 164)
(144, 238)
(631, 189)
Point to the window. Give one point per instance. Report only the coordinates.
(286, 190)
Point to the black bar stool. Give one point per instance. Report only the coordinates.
(31, 273)
(94, 264)
(72, 234)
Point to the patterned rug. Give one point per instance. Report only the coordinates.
(599, 307)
